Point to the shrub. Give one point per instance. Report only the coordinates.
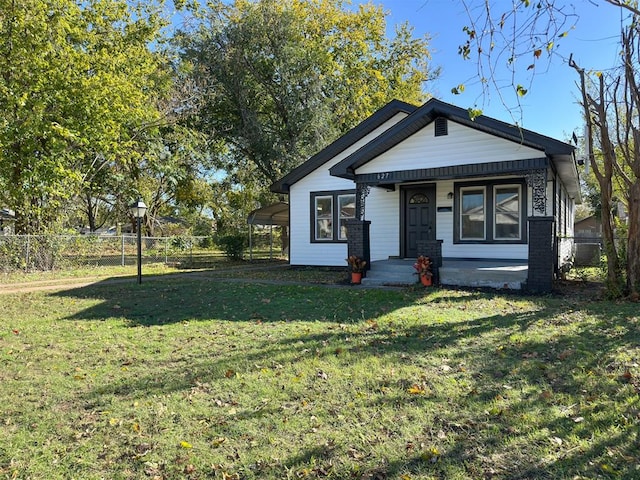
(233, 245)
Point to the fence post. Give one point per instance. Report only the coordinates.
(166, 250)
(122, 248)
(27, 252)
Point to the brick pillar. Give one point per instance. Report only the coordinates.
(541, 252)
(358, 242)
(433, 250)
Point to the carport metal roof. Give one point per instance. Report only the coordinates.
(276, 214)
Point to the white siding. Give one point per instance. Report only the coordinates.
(461, 146)
(383, 210)
(564, 218)
(301, 250)
(444, 232)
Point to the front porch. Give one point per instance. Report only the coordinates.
(502, 274)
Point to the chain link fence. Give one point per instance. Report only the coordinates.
(53, 252)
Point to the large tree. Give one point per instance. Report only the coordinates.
(612, 113)
(78, 84)
(279, 79)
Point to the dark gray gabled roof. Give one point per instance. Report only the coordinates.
(352, 136)
(427, 114)
(560, 153)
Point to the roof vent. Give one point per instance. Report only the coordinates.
(441, 127)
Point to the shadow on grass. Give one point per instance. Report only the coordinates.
(549, 379)
(171, 299)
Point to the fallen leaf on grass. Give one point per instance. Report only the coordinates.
(218, 441)
(229, 373)
(184, 444)
(431, 455)
(143, 448)
(417, 390)
(565, 354)
(556, 440)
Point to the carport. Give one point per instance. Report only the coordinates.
(275, 214)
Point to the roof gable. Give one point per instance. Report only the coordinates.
(426, 114)
(352, 136)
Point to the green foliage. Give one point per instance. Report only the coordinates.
(280, 80)
(233, 245)
(79, 84)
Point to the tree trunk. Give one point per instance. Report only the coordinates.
(633, 246)
(611, 252)
(91, 217)
(596, 118)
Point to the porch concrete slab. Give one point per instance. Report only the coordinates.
(500, 274)
(505, 274)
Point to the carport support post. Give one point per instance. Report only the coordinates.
(271, 241)
(541, 255)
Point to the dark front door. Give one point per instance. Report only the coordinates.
(419, 217)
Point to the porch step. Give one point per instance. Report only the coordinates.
(391, 272)
(500, 274)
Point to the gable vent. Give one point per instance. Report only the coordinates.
(441, 127)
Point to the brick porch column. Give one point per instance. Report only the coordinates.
(433, 250)
(358, 242)
(540, 272)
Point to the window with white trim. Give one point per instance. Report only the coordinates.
(507, 216)
(472, 213)
(490, 212)
(324, 217)
(329, 215)
(347, 211)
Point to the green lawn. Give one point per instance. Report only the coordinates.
(192, 378)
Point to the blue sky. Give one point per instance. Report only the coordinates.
(550, 107)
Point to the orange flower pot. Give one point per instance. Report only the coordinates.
(356, 278)
(426, 280)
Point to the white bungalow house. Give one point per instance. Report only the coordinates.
(430, 180)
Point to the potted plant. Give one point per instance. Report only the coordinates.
(357, 267)
(423, 270)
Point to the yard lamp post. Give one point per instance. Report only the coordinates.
(138, 210)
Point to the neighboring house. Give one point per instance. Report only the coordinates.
(588, 230)
(429, 180)
(7, 221)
